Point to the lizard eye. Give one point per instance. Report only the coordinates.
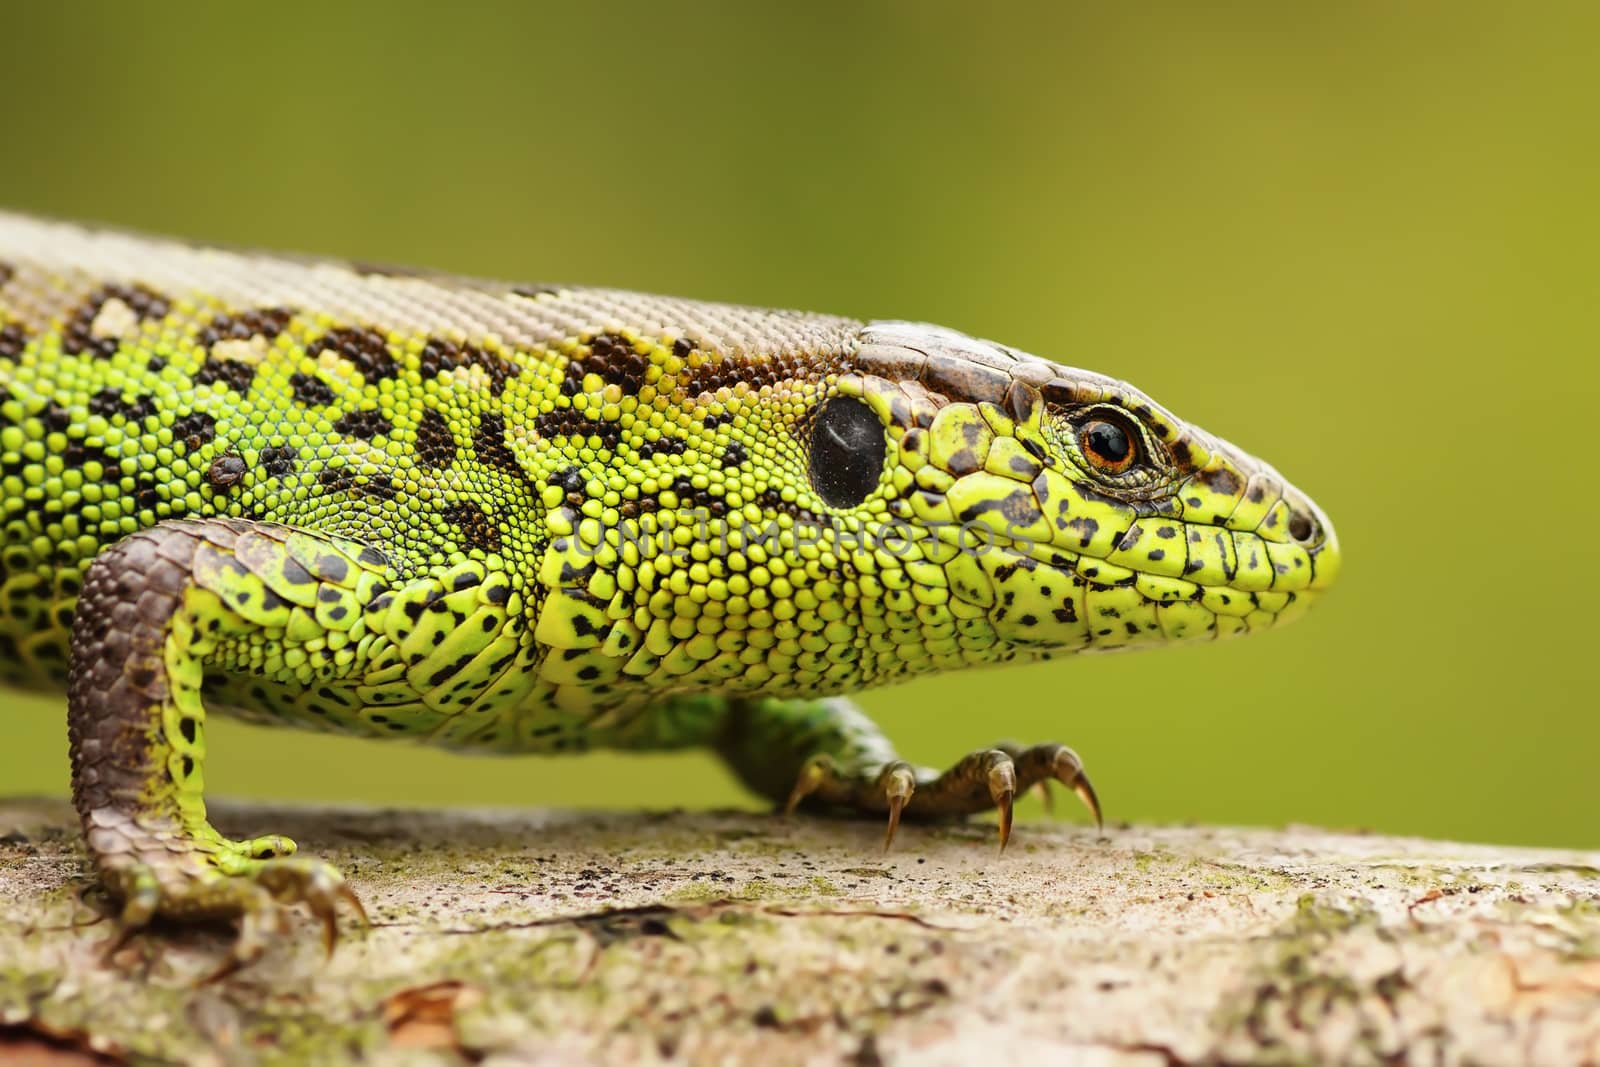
(847, 451)
(1108, 446)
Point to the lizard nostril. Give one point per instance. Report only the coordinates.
(1301, 527)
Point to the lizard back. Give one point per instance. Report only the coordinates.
(143, 380)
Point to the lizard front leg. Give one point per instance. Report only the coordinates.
(826, 754)
(154, 612)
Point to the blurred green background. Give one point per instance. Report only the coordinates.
(1358, 239)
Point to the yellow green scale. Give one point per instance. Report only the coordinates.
(538, 518)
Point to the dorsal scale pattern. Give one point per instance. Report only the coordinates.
(438, 418)
(627, 473)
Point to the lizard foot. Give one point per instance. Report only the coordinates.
(989, 778)
(254, 882)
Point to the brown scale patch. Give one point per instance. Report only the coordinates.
(146, 495)
(278, 461)
(12, 341)
(311, 391)
(440, 355)
(534, 292)
(266, 323)
(194, 429)
(435, 444)
(690, 497)
(77, 454)
(729, 371)
(7, 272)
(489, 445)
(366, 349)
(364, 423)
(963, 462)
(1222, 481)
(78, 335)
(233, 373)
(473, 526)
(665, 446)
(564, 422)
(571, 481)
(109, 402)
(772, 500)
(1019, 402)
(336, 479)
(613, 359)
(380, 487)
(961, 379)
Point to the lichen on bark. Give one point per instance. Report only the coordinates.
(730, 937)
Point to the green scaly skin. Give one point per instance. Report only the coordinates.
(543, 519)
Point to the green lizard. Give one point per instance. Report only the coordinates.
(544, 519)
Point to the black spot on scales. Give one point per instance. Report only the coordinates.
(310, 390)
(1086, 529)
(489, 445)
(278, 460)
(473, 526)
(565, 422)
(364, 424)
(1222, 481)
(435, 445)
(365, 349)
(665, 446)
(231, 372)
(110, 403)
(610, 357)
(12, 341)
(440, 355)
(194, 429)
(569, 479)
(266, 323)
(336, 479)
(379, 487)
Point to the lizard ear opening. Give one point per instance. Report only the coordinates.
(848, 450)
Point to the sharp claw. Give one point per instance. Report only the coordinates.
(1086, 794)
(330, 929)
(898, 784)
(805, 783)
(1069, 770)
(348, 895)
(1003, 790)
(1047, 796)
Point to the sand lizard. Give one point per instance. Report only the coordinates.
(539, 518)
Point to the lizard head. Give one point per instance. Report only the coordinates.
(1046, 510)
(849, 504)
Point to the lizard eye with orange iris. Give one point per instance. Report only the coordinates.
(1108, 446)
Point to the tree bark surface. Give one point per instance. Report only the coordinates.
(576, 937)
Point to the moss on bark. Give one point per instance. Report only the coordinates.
(568, 937)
